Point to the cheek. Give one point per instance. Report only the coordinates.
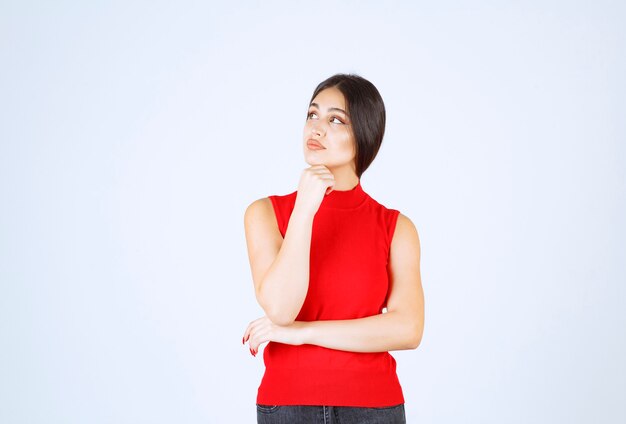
(347, 144)
(308, 127)
(346, 135)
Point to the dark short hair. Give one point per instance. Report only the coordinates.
(367, 115)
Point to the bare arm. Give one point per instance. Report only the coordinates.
(280, 267)
(378, 333)
(399, 329)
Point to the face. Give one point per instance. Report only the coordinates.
(328, 124)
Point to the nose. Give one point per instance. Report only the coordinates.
(316, 129)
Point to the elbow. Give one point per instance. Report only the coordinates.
(275, 313)
(415, 336)
(414, 343)
(281, 319)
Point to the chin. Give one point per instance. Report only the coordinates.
(311, 162)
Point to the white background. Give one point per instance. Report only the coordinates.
(134, 134)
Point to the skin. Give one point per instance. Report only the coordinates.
(275, 260)
(332, 128)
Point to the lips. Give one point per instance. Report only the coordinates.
(314, 144)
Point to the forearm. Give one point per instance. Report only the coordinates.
(377, 333)
(285, 285)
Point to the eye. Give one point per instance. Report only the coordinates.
(340, 122)
(309, 114)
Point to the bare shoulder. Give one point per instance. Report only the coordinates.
(405, 227)
(259, 209)
(405, 236)
(260, 219)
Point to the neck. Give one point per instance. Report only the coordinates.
(345, 179)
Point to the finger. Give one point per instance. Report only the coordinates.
(258, 338)
(254, 350)
(251, 326)
(246, 334)
(259, 333)
(250, 329)
(321, 170)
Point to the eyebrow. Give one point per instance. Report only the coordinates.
(331, 108)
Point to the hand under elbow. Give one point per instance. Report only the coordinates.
(279, 316)
(283, 319)
(276, 313)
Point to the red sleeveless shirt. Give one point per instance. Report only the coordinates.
(349, 278)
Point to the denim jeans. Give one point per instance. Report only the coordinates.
(306, 414)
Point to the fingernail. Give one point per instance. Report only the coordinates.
(243, 340)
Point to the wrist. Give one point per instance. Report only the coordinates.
(302, 332)
(303, 212)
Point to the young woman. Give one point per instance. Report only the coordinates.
(326, 261)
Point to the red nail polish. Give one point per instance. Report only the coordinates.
(243, 341)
